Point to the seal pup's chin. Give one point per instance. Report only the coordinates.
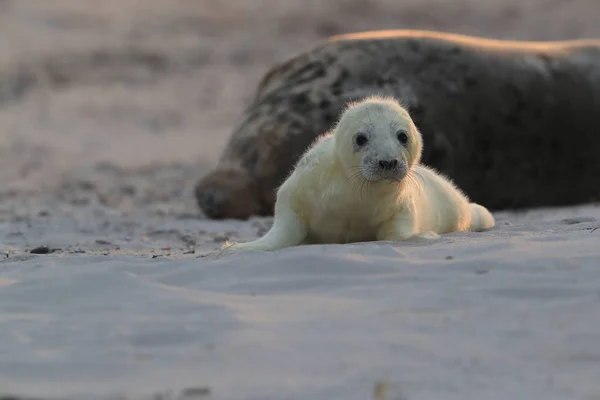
(384, 179)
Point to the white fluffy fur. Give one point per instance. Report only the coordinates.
(336, 195)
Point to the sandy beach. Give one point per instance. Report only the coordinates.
(111, 111)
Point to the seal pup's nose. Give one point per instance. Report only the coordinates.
(388, 164)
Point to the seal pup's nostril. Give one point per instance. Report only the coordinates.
(387, 165)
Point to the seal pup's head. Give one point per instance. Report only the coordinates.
(377, 139)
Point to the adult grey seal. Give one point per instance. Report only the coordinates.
(513, 123)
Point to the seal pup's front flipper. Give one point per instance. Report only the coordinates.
(288, 230)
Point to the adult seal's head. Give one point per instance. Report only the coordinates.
(272, 134)
(259, 156)
(232, 194)
(520, 116)
(376, 140)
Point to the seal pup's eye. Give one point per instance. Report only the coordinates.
(402, 136)
(360, 140)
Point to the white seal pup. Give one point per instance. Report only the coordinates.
(363, 182)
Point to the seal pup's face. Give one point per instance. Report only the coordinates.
(377, 139)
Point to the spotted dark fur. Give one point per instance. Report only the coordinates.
(514, 125)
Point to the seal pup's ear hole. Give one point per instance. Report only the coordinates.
(402, 136)
(360, 139)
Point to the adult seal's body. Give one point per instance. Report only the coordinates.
(514, 124)
(364, 182)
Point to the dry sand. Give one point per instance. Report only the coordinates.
(109, 113)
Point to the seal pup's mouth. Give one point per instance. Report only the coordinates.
(385, 170)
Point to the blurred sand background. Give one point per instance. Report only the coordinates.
(114, 107)
(110, 110)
